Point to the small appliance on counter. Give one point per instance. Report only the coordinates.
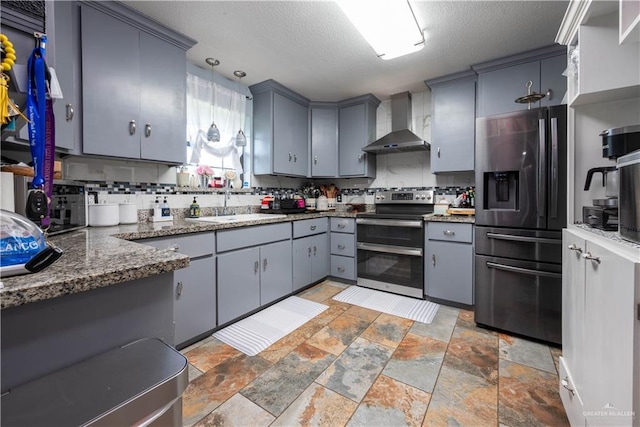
(23, 248)
(616, 142)
(68, 203)
(604, 212)
(629, 219)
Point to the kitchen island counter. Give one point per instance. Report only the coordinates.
(97, 257)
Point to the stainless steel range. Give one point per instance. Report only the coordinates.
(390, 242)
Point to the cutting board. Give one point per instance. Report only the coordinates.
(461, 211)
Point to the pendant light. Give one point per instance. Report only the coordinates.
(213, 134)
(241, 140)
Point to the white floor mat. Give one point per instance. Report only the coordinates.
(259, 331)
(409, 308)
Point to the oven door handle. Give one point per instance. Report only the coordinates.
(523, 238)
(521, 270)
(399, 250)
(390, 222)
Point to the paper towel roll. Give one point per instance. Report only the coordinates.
(7, 199)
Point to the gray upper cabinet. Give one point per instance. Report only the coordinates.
(357, 128)
(280, 130)
(136, 109)
(64, 57)
(453, 112)
(502, 81)
(324, 139)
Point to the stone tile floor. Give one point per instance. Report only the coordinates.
(358, 367)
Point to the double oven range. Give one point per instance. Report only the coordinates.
(390, 242)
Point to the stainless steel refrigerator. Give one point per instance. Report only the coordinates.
(520, 211)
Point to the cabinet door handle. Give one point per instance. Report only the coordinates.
(360, 157)
(438, 152)
(433, 259)
(132, 127)
(295, 158)
(315, 250)
(341, 246)
(290, 156)
(313, 227)
(565, 384)
(449, 232)
(309, 251)
(70, 112)
(591, 257)
(573, 247)
(174, 248)
(256, 267)
(147, 130)
(179, 288)
(264, 264)
(549, 94)
(341, 269)
(315, 160)
(341, 225)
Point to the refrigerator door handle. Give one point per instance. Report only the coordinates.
(542, 142)
(554, 167)
(521, 270)
(526, 239)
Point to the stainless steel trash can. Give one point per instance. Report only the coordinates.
(140, 383)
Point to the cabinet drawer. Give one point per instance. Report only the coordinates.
(343, 244)
(307, 227)
(343, 225)
(252, 236)
(571, 401)
(449, 231)
(194, 245)
(343, 267)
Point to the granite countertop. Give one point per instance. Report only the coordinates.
(613, 236)
(468, 219)
(96, 257)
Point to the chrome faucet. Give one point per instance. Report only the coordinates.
(226, 196)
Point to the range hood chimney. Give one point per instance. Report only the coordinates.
(400, 139)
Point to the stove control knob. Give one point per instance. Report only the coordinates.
(382, 197)
(429, 197)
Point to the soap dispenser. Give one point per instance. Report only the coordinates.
(194, 209)
(157, 212)
(165, 208)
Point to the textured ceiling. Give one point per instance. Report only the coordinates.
(312, 48)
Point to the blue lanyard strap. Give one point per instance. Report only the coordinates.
(36, 107)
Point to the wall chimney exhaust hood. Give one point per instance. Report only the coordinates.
(401, 139)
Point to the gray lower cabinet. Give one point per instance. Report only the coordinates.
(195, 299)
(501, 81)
(275, 271)
(136, 109)
(310, 251)
(254, 268)
(238, 283)
(357, 128)
(453, 118)
(324, 139)
(194, 287)
(310, 260)
(449, 262)
(343, 248)
(280, 130)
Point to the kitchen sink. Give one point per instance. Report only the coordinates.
(226, 219)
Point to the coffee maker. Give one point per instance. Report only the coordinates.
(615, 143)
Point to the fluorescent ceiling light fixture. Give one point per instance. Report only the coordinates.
(389, 26)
